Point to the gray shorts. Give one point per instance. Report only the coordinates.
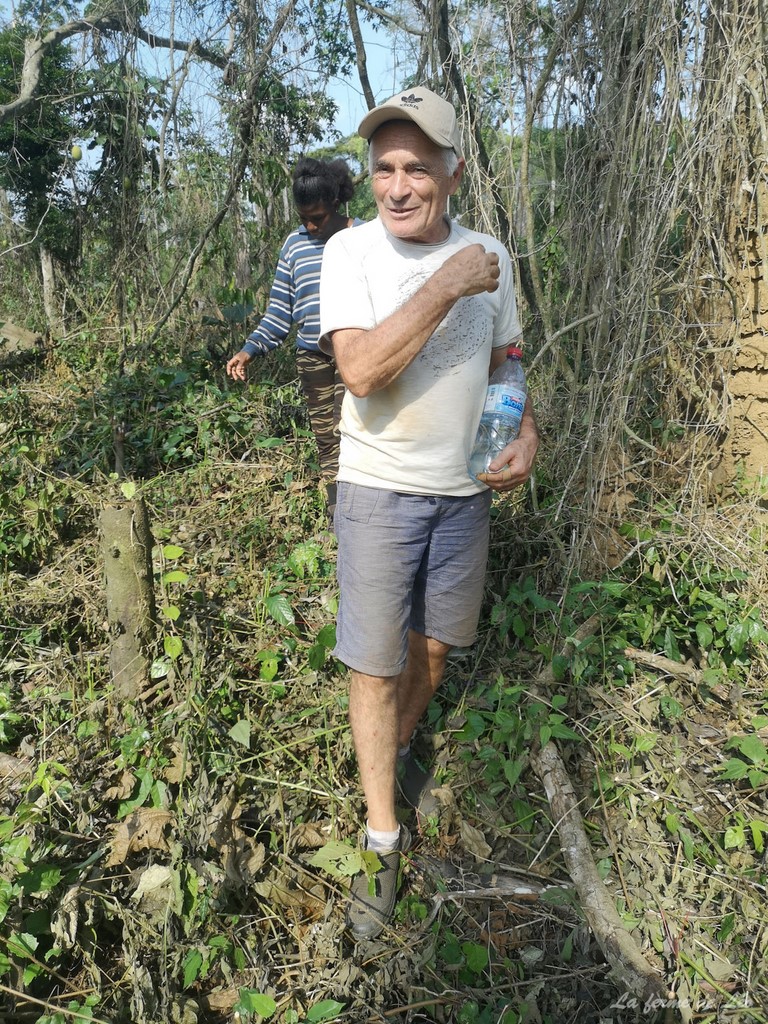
(406, 561)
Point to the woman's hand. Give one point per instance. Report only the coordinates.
(237, 364)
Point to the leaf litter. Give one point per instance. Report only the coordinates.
(231, 876)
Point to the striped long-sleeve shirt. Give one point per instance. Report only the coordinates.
(293, 297)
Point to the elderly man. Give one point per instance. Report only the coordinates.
(417, 311)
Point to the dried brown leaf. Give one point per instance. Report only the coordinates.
(123, 789)
(144, 829)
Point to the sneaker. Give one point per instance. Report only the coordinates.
(367, 915)
(416, 785)
(461, 653)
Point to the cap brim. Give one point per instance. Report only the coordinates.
(375, 118)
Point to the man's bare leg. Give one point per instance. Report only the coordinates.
(373, 715)
(419, 682)
(383, 712)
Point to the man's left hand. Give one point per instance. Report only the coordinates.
(512, 466)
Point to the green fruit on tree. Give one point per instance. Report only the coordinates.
(76, 153)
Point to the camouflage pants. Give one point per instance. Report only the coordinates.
(323, 390)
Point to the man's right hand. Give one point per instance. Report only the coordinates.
(237, 364)
(473, 269)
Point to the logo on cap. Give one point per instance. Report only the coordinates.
(411, 101)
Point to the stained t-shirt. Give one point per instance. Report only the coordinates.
(415, 434)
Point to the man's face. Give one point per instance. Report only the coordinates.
(410, 183)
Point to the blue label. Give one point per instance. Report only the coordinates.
(511, 403)
(504, 401)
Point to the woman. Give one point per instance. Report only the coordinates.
(320, 189)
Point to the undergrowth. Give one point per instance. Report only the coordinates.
(184, 857)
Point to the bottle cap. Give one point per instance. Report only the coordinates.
(514, 352)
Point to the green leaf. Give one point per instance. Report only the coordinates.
(171, 612)
(316, 656)
(280, 609)
(6, 895)
(269, 665)
(751, 747)
(328, 1009)
(172, 551)
(193, 961)
(146, 782)
(734, 838)
(670, 708)
(737, 636)
(252, 1001)
(172, 646)
(159, 669)
(23, 945)
(305, 558)
(727, 926)
(241, 733)
(175, 576)
(563, 732)
(734, 769)
(704, 634)
(340, 859)
(512, 770)
(40, 879)
(476, 956)
(473, 728)
(560, 667)
(327, 636)
(646, 742)
(267, 442)
(128, 489)
(758, 830)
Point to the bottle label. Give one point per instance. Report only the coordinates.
(501, 400)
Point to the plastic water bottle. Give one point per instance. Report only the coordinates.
(503, 412)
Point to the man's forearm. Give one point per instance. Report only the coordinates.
(370, 360)
(529, 428)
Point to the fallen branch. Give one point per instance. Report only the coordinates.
(504, 888)
(628, 964)
(664, 665)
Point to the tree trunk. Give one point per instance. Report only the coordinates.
(745, 213)
(127, 551)
(52, 313)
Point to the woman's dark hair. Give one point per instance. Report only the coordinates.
(322, 181)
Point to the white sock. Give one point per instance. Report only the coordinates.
(382, 842)
(404, 751)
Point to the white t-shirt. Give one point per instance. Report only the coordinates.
(414, 435)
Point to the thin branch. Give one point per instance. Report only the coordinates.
(362, 61)
(393, 19)
(194, 46)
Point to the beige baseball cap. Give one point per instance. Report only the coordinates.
(434, 115)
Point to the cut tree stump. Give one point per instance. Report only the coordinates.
(17, 343)
(127, 552)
